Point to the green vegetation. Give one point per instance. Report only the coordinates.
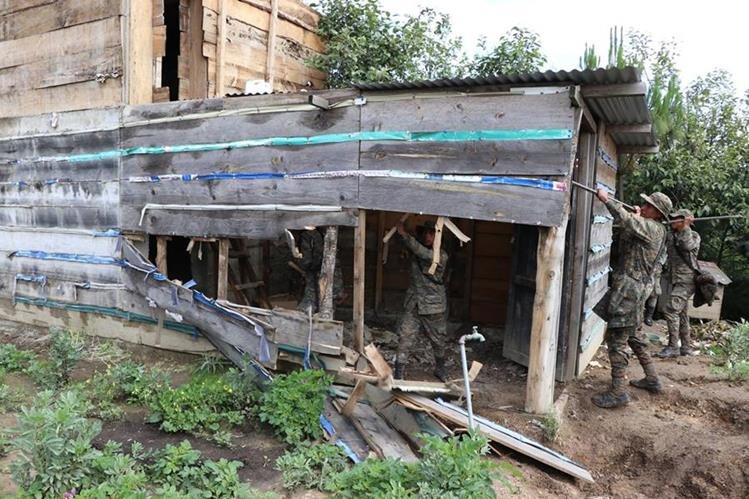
(730, 356)
(55, 455)
(14, 360)
(311, 466)
(550, 424)
(304, 391)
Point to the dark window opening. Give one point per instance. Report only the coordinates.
(170, 62)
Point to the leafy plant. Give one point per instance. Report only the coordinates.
(14, 360)
(65, 350)
(386, 478)
(311, 466)
(206, 405)
(517, 51)
(10, 397)
(212, 364)
(293, 402)
(53, 443)
(730, 356)
(550, 425)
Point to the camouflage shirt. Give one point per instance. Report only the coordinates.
(641, 241)
(426, 292)
(686, 243)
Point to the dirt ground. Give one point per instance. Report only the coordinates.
(691, 441)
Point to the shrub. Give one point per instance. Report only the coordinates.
(10, 397)
(65, 350)
(550, 425)
(14, 360)
(311, 466)
(206, 405)
(386, 478)
(53, 442)
(292, 404)
(731, 353)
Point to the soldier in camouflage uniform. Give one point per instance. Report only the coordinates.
(653, 291)
(642, 239)
(311, 247)
(683, 244)
(425, 304)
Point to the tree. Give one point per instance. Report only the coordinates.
(366, 43)
(517, 51)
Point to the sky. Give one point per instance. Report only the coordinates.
(709, 35)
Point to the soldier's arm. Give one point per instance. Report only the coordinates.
(687, 240)
(415, 247)
(635, 224)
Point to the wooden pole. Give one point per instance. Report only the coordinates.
(539, 396)
(220, 48)
(139, 51)
(380, 263)
(359, 250)
(161, 260)
(327, 272)
(271, 56)
(223, 269)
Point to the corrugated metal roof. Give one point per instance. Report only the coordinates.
(598, 76)
(614, 110)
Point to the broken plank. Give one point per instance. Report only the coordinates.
(380, 366)
(501, 435)
(382, 439)
(292, 328)
(341, 432)
(353, 399)
(413, 386)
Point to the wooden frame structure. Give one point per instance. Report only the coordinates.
(251, 167)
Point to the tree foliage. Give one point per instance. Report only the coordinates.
(517, 51)
(367, 43)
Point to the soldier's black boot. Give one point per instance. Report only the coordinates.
(399, 370)
(440, 371)
(649, 311)
(668, 352)
(649, 383)
(616, 397)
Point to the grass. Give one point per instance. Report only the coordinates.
(730, 355)
(550, 424)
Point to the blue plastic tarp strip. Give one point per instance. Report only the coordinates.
(67, 257)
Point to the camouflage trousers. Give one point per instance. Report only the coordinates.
(676, 315)
(616, 340)
(310, 296)
(409, 328)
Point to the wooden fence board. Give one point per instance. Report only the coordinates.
(54, 16)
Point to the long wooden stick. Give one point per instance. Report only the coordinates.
(436, 245)
(590, 189)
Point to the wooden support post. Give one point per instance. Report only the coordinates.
(359, 250)
(327, 272)
(223, 269)
(271, 56)
(161, 261)
(380, 262)
(139, 51)
(437, 245)
(220, 48)
(539, 397)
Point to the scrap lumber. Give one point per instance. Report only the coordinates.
(353, 398)
(292, 328)
(436, 245)
(381, 438)
(379, 365)
(498, 434)
(339, 431)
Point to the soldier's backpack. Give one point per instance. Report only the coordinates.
(705, 284)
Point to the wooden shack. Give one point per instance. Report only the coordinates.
(83, 192)
(64, 55)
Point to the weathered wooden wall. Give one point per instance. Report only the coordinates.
(60, 55)
(247, 27)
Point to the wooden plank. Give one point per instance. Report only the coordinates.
(382, 439)
(75, 96)
(54, 16)
(271, 55)
(618, 90)
(55, 44)
(60, 123)
(69, 271)
(327, 272)
(345, 431)
(348, 408)
(161, 260)
(380, 366)
(139, 47)
(639, 149)
(11, 6)
(541, 157)
(360, 234)
(292, 328)
(66, 217)
(437, 246)
(57, 240)
(500, 435)
(380, 261)
(223, 268)
(253, 225)
(503, 203)
(198, 65)
(641, 128)
(220, 48)
(63, 194)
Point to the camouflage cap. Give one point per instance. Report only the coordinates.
(682, 213)
(660, 202)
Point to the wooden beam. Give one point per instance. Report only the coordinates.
(220, 48)
(327, 272)
(542, 359)
(360, 234)
(638, 149)
(223, 269)
(646, 128)
(437, 245)
(271, 56)
(198, 63)
(579, 101)
(139, 46)
(161, 260)
(319, 101)
(618, 90)
(380, 262)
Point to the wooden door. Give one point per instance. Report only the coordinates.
(522, 293)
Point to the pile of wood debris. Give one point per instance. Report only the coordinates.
(383, 417)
